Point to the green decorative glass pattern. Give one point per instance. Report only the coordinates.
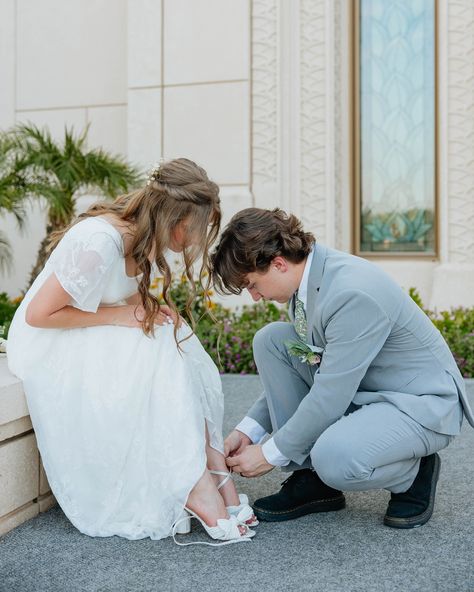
(397, 125)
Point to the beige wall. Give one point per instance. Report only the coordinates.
(61, 63)
(152, 78)
(258, 92)
(189, 88)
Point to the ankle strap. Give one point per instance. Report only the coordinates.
(225, 474)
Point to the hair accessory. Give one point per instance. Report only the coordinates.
(155, 172)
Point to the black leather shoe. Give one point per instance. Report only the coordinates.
(302, 493)
(414, 507)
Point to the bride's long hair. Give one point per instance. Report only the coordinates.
(176, 191)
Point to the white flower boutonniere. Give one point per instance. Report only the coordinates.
(307, 354)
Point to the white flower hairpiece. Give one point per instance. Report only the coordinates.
(155, 172)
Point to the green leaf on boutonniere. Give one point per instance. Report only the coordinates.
(307, 354)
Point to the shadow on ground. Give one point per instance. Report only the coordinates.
(349, 550)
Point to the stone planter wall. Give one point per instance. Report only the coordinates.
(24, 489)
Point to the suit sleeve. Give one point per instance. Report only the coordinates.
(356, 329)
(260, 413)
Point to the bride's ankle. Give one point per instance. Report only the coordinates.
(206, 501)
(229, 494)
(227, 491)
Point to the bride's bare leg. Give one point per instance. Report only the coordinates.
(216, 462)
(205, 499)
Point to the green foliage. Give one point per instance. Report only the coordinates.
(457, 327)
(7, 310)
(35, 166)
(415, 296)
(226, 334)
(11, 196)
(38, 166)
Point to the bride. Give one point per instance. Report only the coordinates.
(126, 404)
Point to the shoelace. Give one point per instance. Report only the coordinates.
(292, 476)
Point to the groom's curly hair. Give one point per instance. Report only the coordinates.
(250, 242)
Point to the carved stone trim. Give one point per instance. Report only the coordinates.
(313, 117)
(460, 122)
(264, 97)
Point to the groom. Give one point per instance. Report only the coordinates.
(371, 399)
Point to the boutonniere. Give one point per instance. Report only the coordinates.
(308, 354)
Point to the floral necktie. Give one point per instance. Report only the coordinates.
(300, 318)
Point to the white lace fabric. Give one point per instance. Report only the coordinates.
(81, 265)
(119, 416)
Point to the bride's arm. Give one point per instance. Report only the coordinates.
(50, 309)
(134, 299)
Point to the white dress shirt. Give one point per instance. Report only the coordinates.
(252, 428)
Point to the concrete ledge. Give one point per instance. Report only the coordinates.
(24, 488)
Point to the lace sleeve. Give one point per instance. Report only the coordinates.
(81, 265)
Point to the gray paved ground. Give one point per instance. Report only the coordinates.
(348, 550)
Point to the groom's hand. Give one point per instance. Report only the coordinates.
(250, 463)
(235, 443)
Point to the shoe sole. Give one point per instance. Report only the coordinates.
(326, 505)
(419, 519)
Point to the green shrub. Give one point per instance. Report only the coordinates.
(457, 327)
(226, 334)
(7, 310)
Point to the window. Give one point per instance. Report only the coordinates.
(395, 127)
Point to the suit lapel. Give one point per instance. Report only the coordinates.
(291, 308)
(314, 283)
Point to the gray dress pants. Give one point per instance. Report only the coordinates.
(374, 446)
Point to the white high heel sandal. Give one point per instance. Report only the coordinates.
(243, 512)
(227, 530)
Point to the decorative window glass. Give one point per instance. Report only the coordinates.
(396, 139)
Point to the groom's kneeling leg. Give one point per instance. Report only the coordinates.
(285, 379)
(375, 447)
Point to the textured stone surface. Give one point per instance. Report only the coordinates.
(15, 428)
(19, 473)
(14, 519)
(12, 400)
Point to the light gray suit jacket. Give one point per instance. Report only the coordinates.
(378, 346)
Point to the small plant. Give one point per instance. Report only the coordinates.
(33, 165)
(225, 334)
(7, 310)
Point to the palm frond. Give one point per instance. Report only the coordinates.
(110, 174)
(6, 255)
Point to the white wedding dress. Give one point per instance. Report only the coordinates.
(119, 417)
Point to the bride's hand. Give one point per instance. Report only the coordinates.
(175, 317)
(132, 316)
